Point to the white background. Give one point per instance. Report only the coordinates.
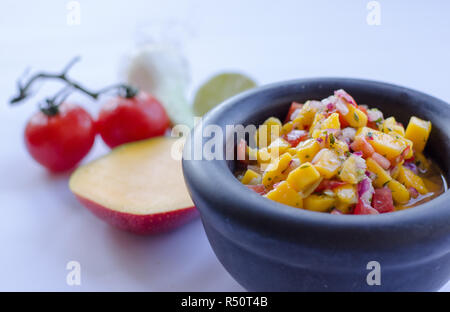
(42, 226)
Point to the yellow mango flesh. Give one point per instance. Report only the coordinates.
(250, 176)
(321, 203)
(400, 193)
(355, 117)
(332, 122)
(410, 179)
(268, 131)
(418, 131)
(306, 150)
(327, 163)
(382, 176)
(274, 172)
(285, 194)
(383, 143)
(137, 178)
(348, 172)
(303, 177)
(346, 194)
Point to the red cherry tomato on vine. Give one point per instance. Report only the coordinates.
(139, 117)
(60, 140)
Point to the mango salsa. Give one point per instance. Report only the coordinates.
(335, 156)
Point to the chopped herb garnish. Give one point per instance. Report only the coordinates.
(386, 183)
(356, 116)
(304, 167)
(332, 140)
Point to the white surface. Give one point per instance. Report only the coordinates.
(42, 225)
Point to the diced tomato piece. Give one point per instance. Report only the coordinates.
(382, 200)
(295, 136)
(344, 123)
(292, 109)
(242, 151)
(360, 144)
(381, 160)
(363, 209)
(258, 188)
(347, 97)
(328, 185)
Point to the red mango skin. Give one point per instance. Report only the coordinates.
(142, 224)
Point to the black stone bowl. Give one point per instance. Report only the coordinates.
(267, 246)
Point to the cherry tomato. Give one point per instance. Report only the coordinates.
(123, 120)
(58, 142)
(382, 200)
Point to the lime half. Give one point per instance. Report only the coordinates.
(218, 89)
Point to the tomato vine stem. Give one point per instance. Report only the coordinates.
(124, 90)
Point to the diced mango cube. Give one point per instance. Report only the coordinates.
(355, 117)
(327, 163)
(278, 147)
(306, 150)
(263, 155)
(303, 177)
(316, 123)
(285, 194)
(268, 131)
(321, 203)
(410, 179)
(349, 171)
(332, 122)
(287, 127)
(346, 194)
(418, 131)
(306, 115)
(382, 176)
(390, 125)
(251, 177)
(274, 171)
(339, 147)
(400, 193)
(383, 143)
